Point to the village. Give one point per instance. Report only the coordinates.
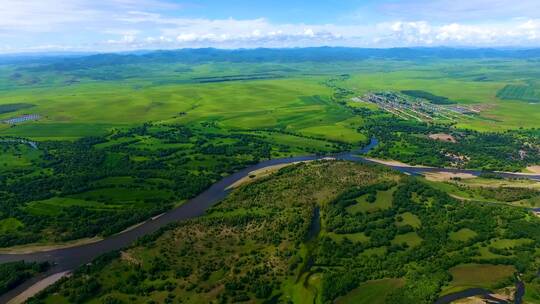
(23, 118)
(418, 109)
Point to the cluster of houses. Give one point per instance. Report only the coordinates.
(23, 118)
(415, 108)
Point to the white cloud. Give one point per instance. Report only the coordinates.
(131, 24)
(455, 11)
(520, 33)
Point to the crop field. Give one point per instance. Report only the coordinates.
(520, 92)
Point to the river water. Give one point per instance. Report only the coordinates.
(67, 259)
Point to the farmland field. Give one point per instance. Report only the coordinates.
(520, 92)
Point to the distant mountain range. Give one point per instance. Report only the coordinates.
(69, 61)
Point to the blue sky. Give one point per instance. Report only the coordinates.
(120, 25)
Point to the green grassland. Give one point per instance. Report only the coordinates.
(134, 94)
(410, 219)
(94, 108)
(411, 239)
(478, 276)
(463, 235)
(18, 156)
(383, 200)
(373, 292)
(258, 245)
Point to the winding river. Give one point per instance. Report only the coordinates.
(67, 259)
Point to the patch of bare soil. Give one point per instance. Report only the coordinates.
(38, 287)
(470, 300)
(126, 256)
(32, 248)
(446, 176)
(443, 137)
(533, 169)
(394, 163)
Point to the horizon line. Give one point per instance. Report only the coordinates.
(127, 52)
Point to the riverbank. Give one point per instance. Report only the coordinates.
(264, 172)
(38, 287)
(37, 247)
(394, 163)
(533, 169)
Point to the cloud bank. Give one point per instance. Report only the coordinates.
(116, 25)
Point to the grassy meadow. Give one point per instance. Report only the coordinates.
(93, 101)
